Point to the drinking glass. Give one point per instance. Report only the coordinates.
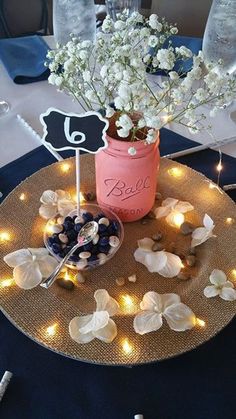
(115, 7)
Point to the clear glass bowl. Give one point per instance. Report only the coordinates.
(95, 210)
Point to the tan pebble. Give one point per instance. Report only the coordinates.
(157, 237)
(191, 260)
(120, 281)
(192, 251)
(63, 238)
(157, 247)
(158, 195)
(186, 228)
(132, 278)
(80, 278)
(183, 276)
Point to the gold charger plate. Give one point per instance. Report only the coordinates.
(34, 311)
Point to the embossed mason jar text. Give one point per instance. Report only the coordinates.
(119, 188)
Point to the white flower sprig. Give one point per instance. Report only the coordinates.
(84, 329)
(30, 266)
(116, 69)
(220, 286)
(202, 234)
(165, 263)
(155, 306)
(55, 203)
(170, 207)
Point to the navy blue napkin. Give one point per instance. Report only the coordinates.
(24, 58)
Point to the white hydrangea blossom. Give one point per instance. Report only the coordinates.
(114, 70)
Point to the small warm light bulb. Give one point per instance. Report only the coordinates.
(200, 322)
(22, 197)
(49, 227)
(67, 276)
(167, 118)
(81, 198)
(51, 330)
(127, 347)
(6, 283)
(234, 273)
(219, 167)
(229, 220)
(127, 300)
(4, 236)
(182, 265)
(214, 186)
(178, 219)
(175, 171)
(65, 167)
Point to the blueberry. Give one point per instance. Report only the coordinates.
(78, 227)
(54, 239)
(104, 249)
(50, 241)
(98, 216)
(103, 241)
(94, 250)
(56, 248)
(115, 225)
(74, 258)
(73, 243)
(102, 228)
(68, 225)
(71, 234)
(61, 254)
(69, 219)
(88, 247)
(87, 216)
(92, 258)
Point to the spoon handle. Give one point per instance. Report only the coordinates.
(46, 283)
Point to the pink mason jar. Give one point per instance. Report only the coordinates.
(127, 184)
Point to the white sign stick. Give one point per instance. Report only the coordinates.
(77, 168)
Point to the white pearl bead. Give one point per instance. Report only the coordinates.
(63, 238)
(57, 228)
(114, 241)
(81, 264)
(104, 221)
(96, 238)
(102, 258)
(84, 255)
(79, 219)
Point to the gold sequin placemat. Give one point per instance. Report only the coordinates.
(34, 311)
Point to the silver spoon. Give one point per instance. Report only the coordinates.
(85, 236)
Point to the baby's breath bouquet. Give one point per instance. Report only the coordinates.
(114, 75)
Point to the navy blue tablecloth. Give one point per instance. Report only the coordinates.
(196, 385)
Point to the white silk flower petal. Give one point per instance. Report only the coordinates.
(39, 252)
(183, 206)
(228, 294)
(74, 329)
(108, 333)
(172, 267)
(65, 206)
(105, 302)
(151, 301)
(170, 202)
(27, 275)
(140, 256)
(162, 212)
(47, 211)
(208, 222)
(179, 317)
(155, 261)
(147, 321)
(48, 197)
(199, 233)
(146, 244)
(98, 321)
(62, 194)
(18, 257)
(47, 265)
(218, 277)
(168, 300)
(211, 291)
